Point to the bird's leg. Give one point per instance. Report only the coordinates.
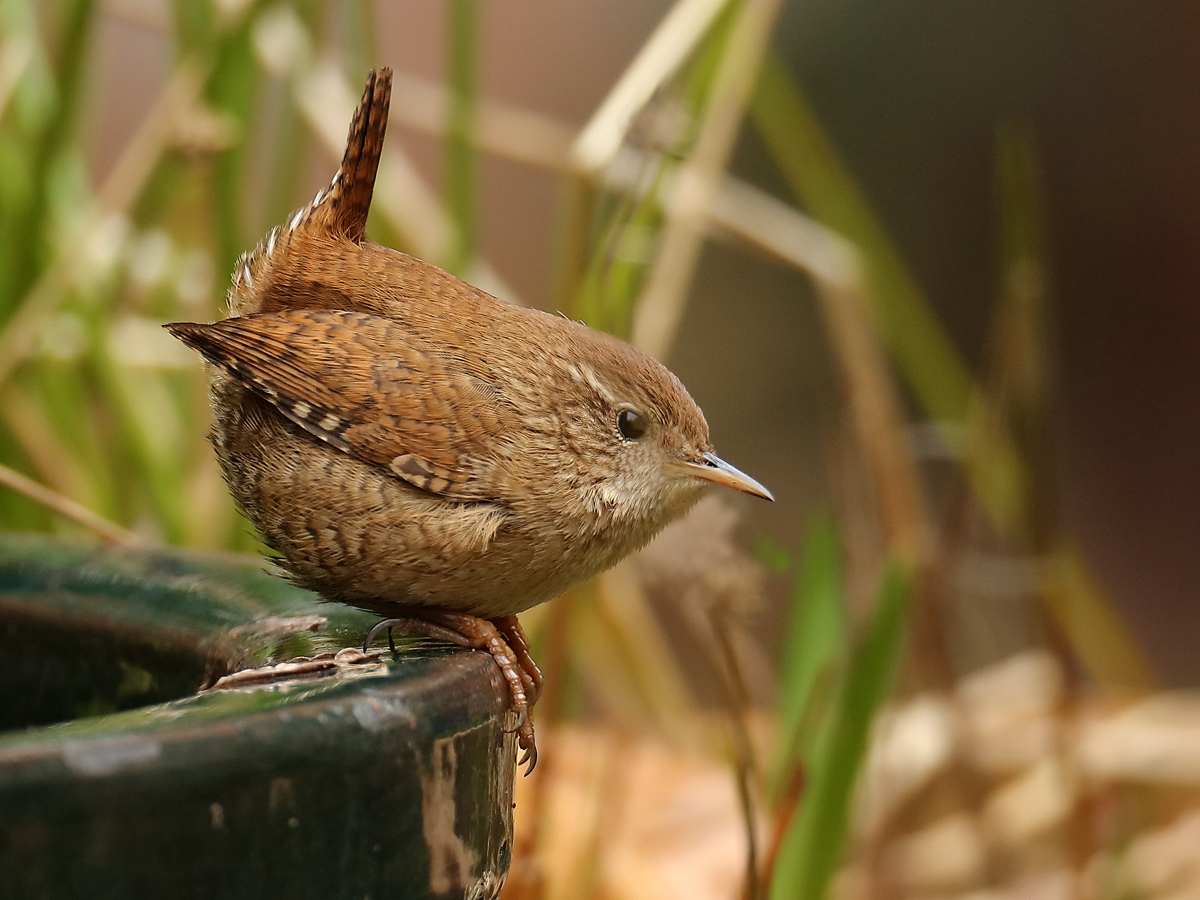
(514, 636)
(486, 636)
(415, 626)
(475, 634)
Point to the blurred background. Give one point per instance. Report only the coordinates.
(930, 270)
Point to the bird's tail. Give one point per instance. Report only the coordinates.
(349, 197)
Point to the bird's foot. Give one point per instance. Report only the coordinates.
(485, 635)
(480, 634)
(514, 635)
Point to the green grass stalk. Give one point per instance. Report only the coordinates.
(812, 845)
(461, 166)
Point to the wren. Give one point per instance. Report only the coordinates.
(412, 446)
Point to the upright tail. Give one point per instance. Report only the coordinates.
(261, 280)
(349, 197)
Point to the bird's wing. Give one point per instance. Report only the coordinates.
(357, 382)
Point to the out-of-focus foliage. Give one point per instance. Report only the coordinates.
(100, 405)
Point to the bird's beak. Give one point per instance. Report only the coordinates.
(718, 471)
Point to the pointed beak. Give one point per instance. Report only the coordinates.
(718, 471)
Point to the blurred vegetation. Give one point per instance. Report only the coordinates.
(97, 404)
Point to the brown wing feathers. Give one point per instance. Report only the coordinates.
(348, 379)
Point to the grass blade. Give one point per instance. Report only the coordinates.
(661, 305)
(923, 352)
(461, 176)
(232, 90)
(814, 644)
(812, 846)
(809, 163)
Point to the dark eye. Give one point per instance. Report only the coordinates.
(632, 424)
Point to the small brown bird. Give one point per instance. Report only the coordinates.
(417, 448)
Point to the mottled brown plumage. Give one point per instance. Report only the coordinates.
(412, 446)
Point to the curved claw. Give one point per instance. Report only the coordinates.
(375, 629)
(523, 716)
(529, 755)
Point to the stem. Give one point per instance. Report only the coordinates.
(68, 508)
(29, 236)
(461, 176)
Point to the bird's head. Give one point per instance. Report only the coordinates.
(642, 443)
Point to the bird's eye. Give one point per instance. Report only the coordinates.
(632, 424)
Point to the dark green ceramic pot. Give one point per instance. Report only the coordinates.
(340, 776)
